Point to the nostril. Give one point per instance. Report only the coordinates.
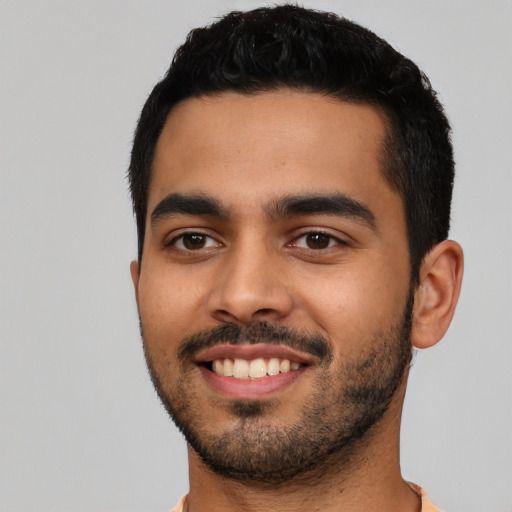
(264, 311)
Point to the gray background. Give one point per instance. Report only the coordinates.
(80, 427)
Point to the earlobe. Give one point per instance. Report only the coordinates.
(437, 293)
(135, 272)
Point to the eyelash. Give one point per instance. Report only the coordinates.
(329, 240)
(181, 237)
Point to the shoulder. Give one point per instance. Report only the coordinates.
(426, 504)
(179, 506)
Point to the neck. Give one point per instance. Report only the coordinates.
(364, 477)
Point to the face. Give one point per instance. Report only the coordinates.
(274, 286)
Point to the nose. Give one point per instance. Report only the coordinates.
(248, 287)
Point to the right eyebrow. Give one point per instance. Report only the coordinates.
(197, 204)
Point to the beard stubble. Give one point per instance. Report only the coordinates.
(348, 403)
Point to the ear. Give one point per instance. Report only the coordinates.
(437, 294)
(135, 272)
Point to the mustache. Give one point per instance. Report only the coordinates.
(261, 332)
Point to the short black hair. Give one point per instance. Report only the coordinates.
(288, 46)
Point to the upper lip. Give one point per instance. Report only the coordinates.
(253, 351)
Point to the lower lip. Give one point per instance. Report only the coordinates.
(251, 388)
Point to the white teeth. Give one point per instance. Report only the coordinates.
(228, 368)
(284, 366)
(240, 369)
(273, 366)
(254, 369)
(257, 368)
(218, 367)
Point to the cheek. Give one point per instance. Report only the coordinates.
(351, 306)
(167, 305)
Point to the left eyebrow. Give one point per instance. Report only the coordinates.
(321, 204)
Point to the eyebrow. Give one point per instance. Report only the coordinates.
(321, 204)
(196, 204)
(282, 208)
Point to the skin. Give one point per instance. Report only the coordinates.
(245, 152)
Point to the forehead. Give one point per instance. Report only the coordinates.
(251, 147)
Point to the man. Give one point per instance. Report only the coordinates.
(291, 178)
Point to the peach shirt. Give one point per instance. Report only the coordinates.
(426, 505)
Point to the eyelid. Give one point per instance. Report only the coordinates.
(170, 242)
(340, 240)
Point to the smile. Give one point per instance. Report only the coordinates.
(253, 369)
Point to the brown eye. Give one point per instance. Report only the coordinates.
(317, 240)
(194, 241)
